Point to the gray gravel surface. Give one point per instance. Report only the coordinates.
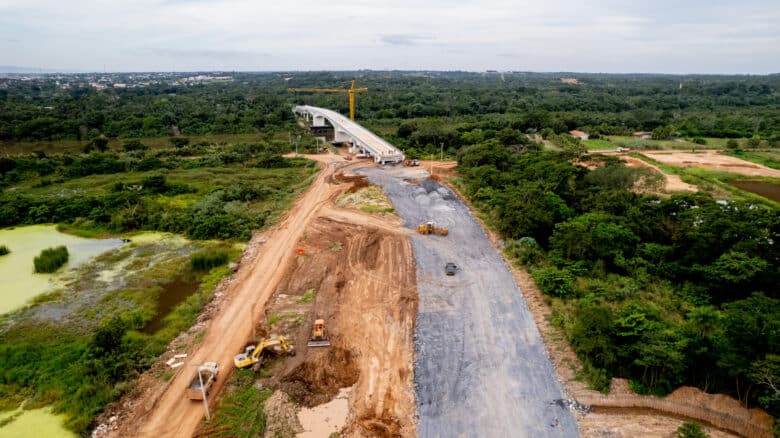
(481, 368)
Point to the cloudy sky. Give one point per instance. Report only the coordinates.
(680, 36)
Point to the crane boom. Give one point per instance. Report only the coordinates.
(351, 90)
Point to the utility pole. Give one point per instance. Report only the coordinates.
(432, 164)
(442, 151)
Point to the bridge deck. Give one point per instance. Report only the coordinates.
(378, 148)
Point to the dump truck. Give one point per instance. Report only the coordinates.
(205, 374)
(319, 335)
(253, 353)
(430, 228)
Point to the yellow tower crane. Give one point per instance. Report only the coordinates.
(351, 90)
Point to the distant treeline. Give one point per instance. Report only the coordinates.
(709, 106)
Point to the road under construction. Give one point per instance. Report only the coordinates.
(475, 356)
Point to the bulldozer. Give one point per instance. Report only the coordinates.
(319, 335)
(430, 228)
(253, 354)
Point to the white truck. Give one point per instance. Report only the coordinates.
(206, 373)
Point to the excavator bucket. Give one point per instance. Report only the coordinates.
(322, 343)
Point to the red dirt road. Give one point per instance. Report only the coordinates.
(172, 415)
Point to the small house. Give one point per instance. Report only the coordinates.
(579, 134)
(643, 135)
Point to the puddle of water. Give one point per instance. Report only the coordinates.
(321, 421)
(172, 294)
(20, 283)
(35, 423)
(761, 188)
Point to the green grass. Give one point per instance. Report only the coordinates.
(240, 410)
(308, 297)
(768, 159)
(275, 318)
(599, 145)
(51, 259)
(207, 259)
(677, 144)
(377, 209)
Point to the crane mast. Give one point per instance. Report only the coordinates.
(351, 90)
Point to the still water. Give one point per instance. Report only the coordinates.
(19, 282)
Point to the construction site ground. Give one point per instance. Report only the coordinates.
(711, 159)
(362, 279)
(352, 268)
(481, 368)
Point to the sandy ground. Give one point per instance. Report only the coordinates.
(323, 420)
(711, 160)
(481, 368)
(362, 270)
(228, 332)
(673, 182)
(631, 424)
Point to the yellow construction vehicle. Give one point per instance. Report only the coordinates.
(351, 90)
(253, 354)
(430, 228)
(319, 335)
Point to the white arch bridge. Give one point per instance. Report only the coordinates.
(347, 131)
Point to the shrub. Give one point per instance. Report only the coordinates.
(51, 259)
(691, 430)
(555, 282)
(4, 250)
(179, 142)
(204, 260)
(699, 140)
(134, 145)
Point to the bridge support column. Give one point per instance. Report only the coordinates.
(318, 121)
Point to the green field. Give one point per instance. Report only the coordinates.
(765, 158)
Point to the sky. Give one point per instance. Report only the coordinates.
(661, 36)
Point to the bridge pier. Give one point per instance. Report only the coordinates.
(318, 120)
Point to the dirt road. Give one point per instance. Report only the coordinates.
(711, 160)
(172, 415)
(481, 368)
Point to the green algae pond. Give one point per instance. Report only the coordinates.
(20, 283)
(33, 423)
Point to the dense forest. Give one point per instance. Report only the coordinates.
(662, 291)
(86, 106)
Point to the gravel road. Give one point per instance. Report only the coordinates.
(481, 368)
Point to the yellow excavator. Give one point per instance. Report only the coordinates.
(253, 354)
(430, 228)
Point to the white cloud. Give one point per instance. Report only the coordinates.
(600, 35)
